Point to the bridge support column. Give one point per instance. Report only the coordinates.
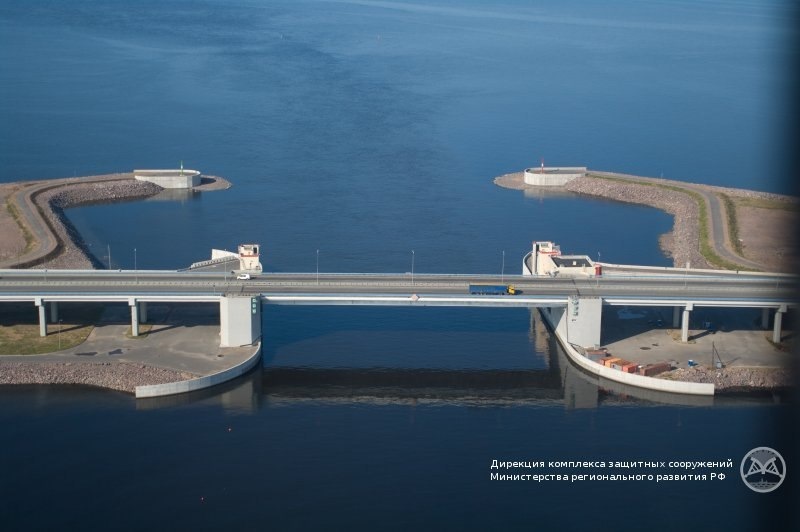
(583, 321)
(42, 316)
(765, 318)
(676, 317)
(240, 320)
(53, 312)
(685, 325)
(776, 329)
(143, 311)
(134, 317)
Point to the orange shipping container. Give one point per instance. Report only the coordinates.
(630, 368)
(654, 369)
(608, 361)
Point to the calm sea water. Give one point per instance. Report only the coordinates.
(366, 130)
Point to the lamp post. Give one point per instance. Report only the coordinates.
(59, 335)
(108, 246)
(412, 267)
(135, 266)
(317, 267)
(503, 268)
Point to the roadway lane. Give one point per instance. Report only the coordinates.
(161, 282)
(717, 224)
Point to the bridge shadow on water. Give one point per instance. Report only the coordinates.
(561, 384)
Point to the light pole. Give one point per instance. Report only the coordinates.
(135, 266)
(317, 267)
(412, 267)
(503, 268)
(59, 335)
(108, 246)
(686, 274)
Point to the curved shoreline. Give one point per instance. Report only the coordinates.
(40, 212)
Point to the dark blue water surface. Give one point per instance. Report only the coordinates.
(365, 130)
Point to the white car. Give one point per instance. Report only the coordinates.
(243, 276)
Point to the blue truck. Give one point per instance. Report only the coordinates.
(492, 289)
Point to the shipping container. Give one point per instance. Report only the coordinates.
(630, 368)
(655, 369)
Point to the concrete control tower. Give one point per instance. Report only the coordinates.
(247, 257)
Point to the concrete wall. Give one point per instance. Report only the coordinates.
(172, 388)
(169, 178)
(240, 320)
(555, 317)
(553, 177)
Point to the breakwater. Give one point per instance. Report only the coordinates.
(682, 244)
(73, 252)
(38, 209)
(704, 228)
(120, 376)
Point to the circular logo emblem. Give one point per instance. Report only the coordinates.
(763, 469)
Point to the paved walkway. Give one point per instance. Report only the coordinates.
(182, 338)
(635, 334)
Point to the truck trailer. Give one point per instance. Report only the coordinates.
(492, 289)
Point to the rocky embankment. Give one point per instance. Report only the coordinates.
(52, 202)
(682, 244)
(119, 376)
(735, 379)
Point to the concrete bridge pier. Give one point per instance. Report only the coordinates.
(134, 316)
(240, 320)
(143, 312)
(776, 330)
(685, 325)
(42, 316)
(53, 312)
(676, 317)
(580, 321)
(765, 318)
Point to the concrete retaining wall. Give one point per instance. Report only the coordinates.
(650, 383)
(553, 177)
(172, 388)
(169, 178)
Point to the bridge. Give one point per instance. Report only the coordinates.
(581, 298)
(572, 306)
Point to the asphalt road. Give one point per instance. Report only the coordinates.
(727, 287)
(718, 224)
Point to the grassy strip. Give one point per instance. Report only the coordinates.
(24, 339)
(763, 203)
(733, 223)
(19, 329)
(30, 241)
(705, 246)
